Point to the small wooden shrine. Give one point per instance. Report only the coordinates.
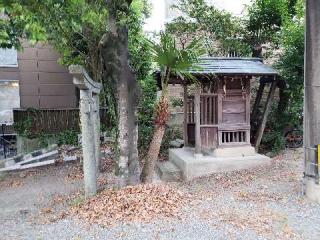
(217, 108)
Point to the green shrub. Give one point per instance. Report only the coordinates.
(176, 102)
(67, 137)
(171, 133)
(146, 112)
(23, 128)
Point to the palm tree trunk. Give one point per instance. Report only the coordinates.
(162, 115)
(148, 169)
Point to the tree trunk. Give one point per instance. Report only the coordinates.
(129, 170)
(162, 115)
(123, 127)
(115, 54)
(257, 51)
(283, 102)
(134, 165)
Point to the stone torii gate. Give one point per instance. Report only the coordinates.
(90, 126)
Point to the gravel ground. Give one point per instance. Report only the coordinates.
(263, 203)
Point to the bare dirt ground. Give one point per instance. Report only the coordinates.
(261, 203)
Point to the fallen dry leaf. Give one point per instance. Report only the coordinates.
(141, 203)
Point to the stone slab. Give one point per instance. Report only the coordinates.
(38, 164)
(70, 158)
(27, 166)
(10, 168)
(43, 157)
(23, 157)
(192, 167)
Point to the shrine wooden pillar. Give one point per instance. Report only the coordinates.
(257, 100)
(197, 119)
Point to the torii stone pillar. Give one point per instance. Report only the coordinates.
(311, 101)
(90, 126)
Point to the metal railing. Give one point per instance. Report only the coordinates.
(7, 149)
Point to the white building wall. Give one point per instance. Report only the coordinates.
(9, 89)
(9, 99)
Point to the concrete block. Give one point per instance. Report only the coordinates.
(9, 162)
(12, 161)
(192, 167)
(168, 171)
(70, 158)
(237, 151)
(313, 190)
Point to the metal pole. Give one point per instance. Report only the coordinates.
(3, 141)
(312, 98)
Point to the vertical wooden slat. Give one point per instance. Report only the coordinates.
(219, 110)
(204, 110)
(189, 107)
(248, 101)
(213, 110)
(210, 110)
(185, 114)
(192, 110)
(201, 111)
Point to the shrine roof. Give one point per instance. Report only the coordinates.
(234, 66)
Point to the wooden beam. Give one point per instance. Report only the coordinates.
(257, 101)
(185, 115)
(197, 120)
(265, 114)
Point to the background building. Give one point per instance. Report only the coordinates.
(33, 78)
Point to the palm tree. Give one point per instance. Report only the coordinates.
(172, 61)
